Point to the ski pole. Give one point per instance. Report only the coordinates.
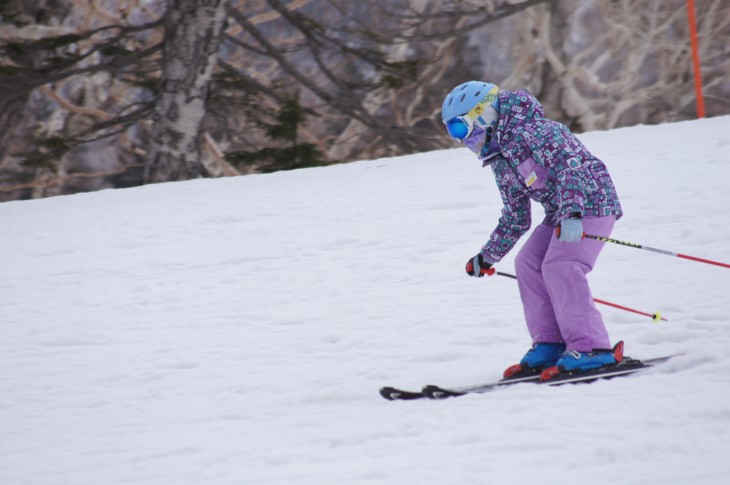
(656, 317)
(654, 250)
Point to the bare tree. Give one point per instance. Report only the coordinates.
(628, 61)
(192, 35)
(103, 93)
(371, 74)
(70, 80)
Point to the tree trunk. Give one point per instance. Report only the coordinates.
(554, 29)
(192, 34)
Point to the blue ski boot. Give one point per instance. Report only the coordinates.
(539, 357)
(574, 361)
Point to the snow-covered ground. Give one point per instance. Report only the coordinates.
(236, 331)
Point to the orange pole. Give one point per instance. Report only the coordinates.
(696, 58)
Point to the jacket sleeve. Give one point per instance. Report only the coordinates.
(513, 223)
(571, 193)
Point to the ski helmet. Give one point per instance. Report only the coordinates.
(464, 97)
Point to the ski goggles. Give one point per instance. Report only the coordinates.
(460, 127)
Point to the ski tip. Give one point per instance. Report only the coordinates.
(393, 394)
(389, 393)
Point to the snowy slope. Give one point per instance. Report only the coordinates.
(236, 331)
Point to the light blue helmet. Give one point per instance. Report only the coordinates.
(464, 97)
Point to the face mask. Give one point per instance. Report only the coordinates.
(476, 140)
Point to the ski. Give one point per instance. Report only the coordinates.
(626, 367)
(395, 394)
(436, 392)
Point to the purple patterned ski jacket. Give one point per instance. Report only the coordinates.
(539, 159)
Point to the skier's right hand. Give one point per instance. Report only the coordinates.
(476, 266)
(571, 229)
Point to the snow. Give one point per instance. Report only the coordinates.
(236, 331)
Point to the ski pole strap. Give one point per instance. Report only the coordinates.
(654, 250)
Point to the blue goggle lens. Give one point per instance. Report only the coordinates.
(458, 129)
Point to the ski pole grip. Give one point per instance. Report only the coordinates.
(489, 272)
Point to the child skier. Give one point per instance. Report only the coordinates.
(535, 158)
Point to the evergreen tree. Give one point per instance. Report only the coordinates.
(290, 117)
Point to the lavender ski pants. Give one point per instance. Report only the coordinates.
(554, 289)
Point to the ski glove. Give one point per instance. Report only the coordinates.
(476, 266)
(571, 229)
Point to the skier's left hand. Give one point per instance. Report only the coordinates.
(570, 230)
(476, 266)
